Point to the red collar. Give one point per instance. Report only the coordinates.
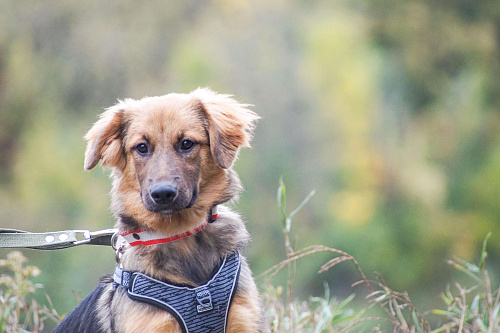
(144, 237)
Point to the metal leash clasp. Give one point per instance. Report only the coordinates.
(87, 237)
(118, 244)
(90, 236)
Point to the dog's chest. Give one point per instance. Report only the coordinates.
(140, 318)
(201, 309)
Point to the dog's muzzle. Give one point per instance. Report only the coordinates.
(163, 193)
(167, 198)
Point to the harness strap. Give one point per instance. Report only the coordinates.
(201, 309)
(11, 238)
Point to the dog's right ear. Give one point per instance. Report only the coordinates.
(104, 140)
(230, 125)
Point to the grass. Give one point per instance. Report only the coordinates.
(465, 310)
(20, 312)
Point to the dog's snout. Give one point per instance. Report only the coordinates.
(163, 193)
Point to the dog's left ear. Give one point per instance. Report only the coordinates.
(230, 125)
(105, 140)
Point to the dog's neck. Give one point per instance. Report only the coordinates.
(145, 237)
(189, 261)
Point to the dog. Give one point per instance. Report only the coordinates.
(170, 159)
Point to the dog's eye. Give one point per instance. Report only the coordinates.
(142, 148)
(187, 145)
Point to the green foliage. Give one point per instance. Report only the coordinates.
(318, 314)
(20, 312)
(471, 309)
(286, 218)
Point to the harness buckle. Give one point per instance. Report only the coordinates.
(204, 300)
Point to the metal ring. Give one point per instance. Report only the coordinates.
(114, 240)
(119, 253)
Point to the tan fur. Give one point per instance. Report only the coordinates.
(203, 176)
(244, 315)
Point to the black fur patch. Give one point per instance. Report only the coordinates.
(131, 223)
(83, 319)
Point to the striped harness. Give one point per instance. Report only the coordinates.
(201, 309)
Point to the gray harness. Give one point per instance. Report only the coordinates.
(203, 309)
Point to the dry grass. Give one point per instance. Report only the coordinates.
(20, 312)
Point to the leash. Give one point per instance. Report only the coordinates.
(56, 240)
(12, 238)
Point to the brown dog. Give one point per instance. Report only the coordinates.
(171, 159)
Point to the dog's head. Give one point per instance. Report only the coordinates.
(170, 154)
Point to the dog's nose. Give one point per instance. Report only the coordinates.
(163, 193)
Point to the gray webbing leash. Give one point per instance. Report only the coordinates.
(11, 238)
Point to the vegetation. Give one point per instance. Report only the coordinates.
(20, 312)
(468, 309)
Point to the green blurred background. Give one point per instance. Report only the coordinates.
(388, 109)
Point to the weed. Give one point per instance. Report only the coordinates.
(19, 311)
(474, 309)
